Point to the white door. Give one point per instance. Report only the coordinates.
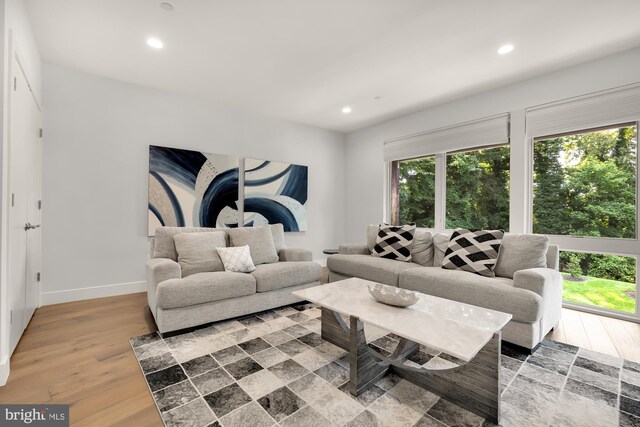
(25, 171)
(34, 215)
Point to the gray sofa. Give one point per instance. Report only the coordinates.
(533, 296)
(180, 301)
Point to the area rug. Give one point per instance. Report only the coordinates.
(274, 369)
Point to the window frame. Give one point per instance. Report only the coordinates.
(392, 209)
(629, 247)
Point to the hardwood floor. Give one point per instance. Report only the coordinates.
(78, 353)
(599, 333)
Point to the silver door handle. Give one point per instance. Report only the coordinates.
(28, 226)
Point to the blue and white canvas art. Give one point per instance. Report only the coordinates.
(275, 193)
(191, 188)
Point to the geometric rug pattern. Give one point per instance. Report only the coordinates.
(273, 369)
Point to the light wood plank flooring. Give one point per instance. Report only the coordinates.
(599, 333)
(78, 353)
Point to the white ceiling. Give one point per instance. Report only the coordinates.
(303, 60)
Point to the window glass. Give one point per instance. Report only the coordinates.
(605, 281)
(478, 189)
(585, 184)
(416, 191)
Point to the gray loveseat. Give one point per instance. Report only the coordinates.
(533, 296)
(179, 301)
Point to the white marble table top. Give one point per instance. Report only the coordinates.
(455, 328)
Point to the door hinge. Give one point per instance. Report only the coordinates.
(38, 276)
(40, 204)
(13, 199)
(15, 83)
(40, 132)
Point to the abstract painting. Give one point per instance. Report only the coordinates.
(275, 193)
(191, 188)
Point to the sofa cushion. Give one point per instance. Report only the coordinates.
(395, 242)
(440, 245)
(277, 231)
(473, 251)
(496, 293)
(369, 267)
(280, 275)
(422, 249)
(372, 235)
(164, 246)
(197, 251)
(521, 252)
(204, 287)
(260, 242)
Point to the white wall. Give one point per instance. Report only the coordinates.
(16, 36)
(365, 165)
(97, 133)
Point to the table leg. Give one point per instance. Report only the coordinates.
(474, 386)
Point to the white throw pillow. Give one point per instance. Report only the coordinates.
(237, 259)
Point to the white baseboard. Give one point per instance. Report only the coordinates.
(4, 371)
(69, 295)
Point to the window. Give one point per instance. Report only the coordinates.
(584, 184)
(478, 189)
(605, 281)
(414, 197)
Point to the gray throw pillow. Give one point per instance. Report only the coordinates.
(422, 249)
(372, 235)
(259, 240)
(197, 252)
(277, 230)
(440, 245)
(520, 252)
(164, 246)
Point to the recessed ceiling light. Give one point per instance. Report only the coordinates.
(505, 49)
(155, 43)
(166, 6)
(346, 109)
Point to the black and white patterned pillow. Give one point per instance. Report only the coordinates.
(474, 251)
(394, 242)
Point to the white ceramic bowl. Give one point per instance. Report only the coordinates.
(393, 296)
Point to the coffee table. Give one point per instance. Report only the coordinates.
(467, 332)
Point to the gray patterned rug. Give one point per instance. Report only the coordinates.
(274, 369)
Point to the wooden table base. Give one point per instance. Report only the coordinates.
(474, 386)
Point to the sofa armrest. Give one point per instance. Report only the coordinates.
(159, 270)
(293, 254)
(545, 282)
(354, 249)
